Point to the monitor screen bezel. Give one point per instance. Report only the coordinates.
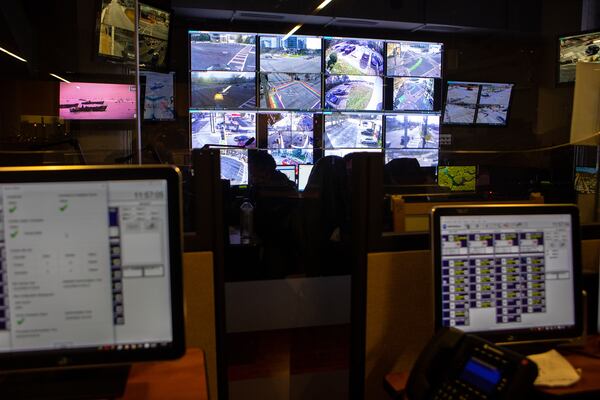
(475, 123)
(512, 335)
(94, 356)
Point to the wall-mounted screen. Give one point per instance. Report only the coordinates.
(413, 94)
(223, 90)
(117, 29)
(343, 130)
(572, 49)
(356, 93)
(290, 130)
(458, 178)
(300, 54)
(289, 171)
(477, 103)
(153, 36)
(344, 152)
(234, 166)
(426, 158)
(94, 101)
(412, 131)
(292, 156)
(159, 99)
(353, 56)
(290, 91)
(419, 59)
(230, 128)
(222, 51)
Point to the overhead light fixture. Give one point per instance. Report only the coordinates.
(59, 78)
(292, 31)
(13, 55)
(323, 5)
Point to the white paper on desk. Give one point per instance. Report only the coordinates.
(554, 370)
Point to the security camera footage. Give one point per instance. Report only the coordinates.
(295, 54)
(346, 92)
(413, 94)
(494, 101)
(354, 57)
(117, 28)
(426, 158)
(223, 90)
(292, 156)
(480, 103)
(344, 130)
(573, 49)
(290, 130)
(412, 131)
(234, 166)
(153, 36)
(217, 51)
(290, 91)
(223, 128)
(419, 59)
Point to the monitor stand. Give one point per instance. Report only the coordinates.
(80, 383)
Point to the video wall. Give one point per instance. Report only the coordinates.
(303, 97)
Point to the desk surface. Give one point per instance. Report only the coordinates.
(181, 379)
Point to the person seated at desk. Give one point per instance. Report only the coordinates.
(404, 171)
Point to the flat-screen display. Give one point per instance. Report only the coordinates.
(418, 59)
(353, 56)
(159, 99)
(344, 152)
(290, 91)
(300, 54)
(91, 266)
(292, 156)
(304, 171)
(572, 49)
(154, 36)
(97, 101)
(234, 166)
(426, 157)
(508, 273)
(288, 170)
(477, 103)
(458, 178)
(290, 130)
(413, 94)
(117, 29)
(412, 131)
(232, 128)
(356, 93)
(236, 90)
(222, 51)
(345, 130)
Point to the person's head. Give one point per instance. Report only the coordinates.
(261, 166)
(404, 171)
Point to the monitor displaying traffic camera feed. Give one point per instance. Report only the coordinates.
(425, 157)
(236, 90)
(300, 54)
(290, 130)
(344, 152)
(355, 93)
(353, 56)
(234, 166)
(153, 36)
(458, 178)
(418, 59)
(572, 49)
(117, 29)
(97, 101)
(292, 156)
(478, 103)
(290, 91)
(231, 128)
(345, 130)
(412, 131)
(222, 51)
(413, 94)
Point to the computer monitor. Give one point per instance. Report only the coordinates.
(91, 266)
(289, 171)
(303, 174)
(510, 273)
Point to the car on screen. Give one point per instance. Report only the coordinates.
(368, 140)
(368, 132)
(364, 60)
(592, 50)
(332, 98)
(241, 138)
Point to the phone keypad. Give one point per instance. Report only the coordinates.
(457, 390)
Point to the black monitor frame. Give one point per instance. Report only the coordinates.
(512, 336)
(93, 356)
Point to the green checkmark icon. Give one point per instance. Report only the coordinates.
(20, 321)
(12, 209)
(63, 208)
(14, 234)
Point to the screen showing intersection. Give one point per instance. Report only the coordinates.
(83, 264)
(506, 272)
(477, 103)
(313, 92)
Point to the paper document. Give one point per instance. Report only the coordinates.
(554, 370)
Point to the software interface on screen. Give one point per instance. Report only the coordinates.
(505, 272)
(288, 170)
(303, 175)
(84, 264)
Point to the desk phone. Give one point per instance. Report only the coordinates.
(455, 365)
